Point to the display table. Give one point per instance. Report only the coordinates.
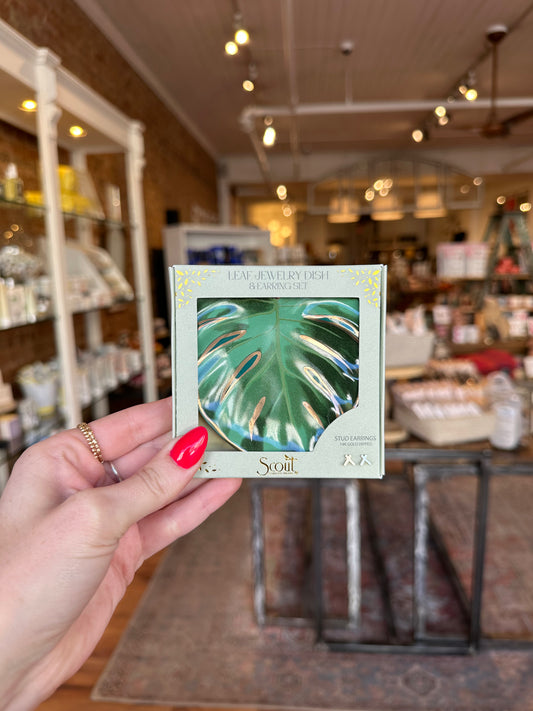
(421, 464)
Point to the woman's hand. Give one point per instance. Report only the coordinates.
(72, 537)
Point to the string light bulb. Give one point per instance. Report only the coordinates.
(281, 192)
(467, 87)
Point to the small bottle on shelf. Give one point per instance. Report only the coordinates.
(13, 186)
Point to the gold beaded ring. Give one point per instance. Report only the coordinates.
(91, 441)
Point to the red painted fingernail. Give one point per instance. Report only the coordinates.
(189, 449)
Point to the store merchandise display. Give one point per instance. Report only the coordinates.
(93, 281)
(42, 405)
(12, 187)
(408, 340)
(458, 320)
(456, 404)
(77, 192)
(39, 382)
(19, 274)
(443, 412)
(98, 373)
(457, 260)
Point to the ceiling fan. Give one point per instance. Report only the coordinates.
(494, 127)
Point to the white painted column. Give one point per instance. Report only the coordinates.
(143, 295)
(48, 115)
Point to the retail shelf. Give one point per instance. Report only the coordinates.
(36, 209)
(512, 345)
(62, 99)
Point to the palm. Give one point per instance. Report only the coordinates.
(80, 540)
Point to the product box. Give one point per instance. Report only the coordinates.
(284, 365)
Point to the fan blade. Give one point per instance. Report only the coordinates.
(518, 118)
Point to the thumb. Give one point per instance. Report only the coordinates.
(159, 482)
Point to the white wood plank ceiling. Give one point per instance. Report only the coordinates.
(408, 55)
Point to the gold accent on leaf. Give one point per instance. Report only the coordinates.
(255, 415)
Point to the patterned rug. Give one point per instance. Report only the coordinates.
(194, 640)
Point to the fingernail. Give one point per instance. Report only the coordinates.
(189, 449)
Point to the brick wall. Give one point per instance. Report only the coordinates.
(178, 172)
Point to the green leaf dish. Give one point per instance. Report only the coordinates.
(273, 373)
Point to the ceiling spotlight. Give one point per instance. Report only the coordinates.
(439, 111)
(269, 136)
(77, 132)
(471, 94)
(444, 120)
(419, 135)
(28, 105)
(231, 48)
(248, 85)
(241, 33)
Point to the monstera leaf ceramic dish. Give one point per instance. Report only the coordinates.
(274, 372)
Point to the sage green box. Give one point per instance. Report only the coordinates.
(284, 365)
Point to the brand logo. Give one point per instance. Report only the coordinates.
(284, 466)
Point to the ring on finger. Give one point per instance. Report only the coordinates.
(91, 441)
(112, 471)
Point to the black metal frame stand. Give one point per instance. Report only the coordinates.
(423, 465)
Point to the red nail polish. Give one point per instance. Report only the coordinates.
(189, 449)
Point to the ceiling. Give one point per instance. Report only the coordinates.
(407, 57)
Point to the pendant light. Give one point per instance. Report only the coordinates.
(428, 203)
(387, 207)
(343, 209)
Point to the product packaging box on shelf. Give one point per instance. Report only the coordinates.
(284, 365)
(405, 349)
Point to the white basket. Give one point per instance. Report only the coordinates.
(441, 432)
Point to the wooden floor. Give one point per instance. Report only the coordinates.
(75, 695)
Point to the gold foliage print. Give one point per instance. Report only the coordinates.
(370, 280)
(186, 280)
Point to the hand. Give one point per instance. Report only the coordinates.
(71, 539)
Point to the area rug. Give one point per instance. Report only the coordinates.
(194, 641)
